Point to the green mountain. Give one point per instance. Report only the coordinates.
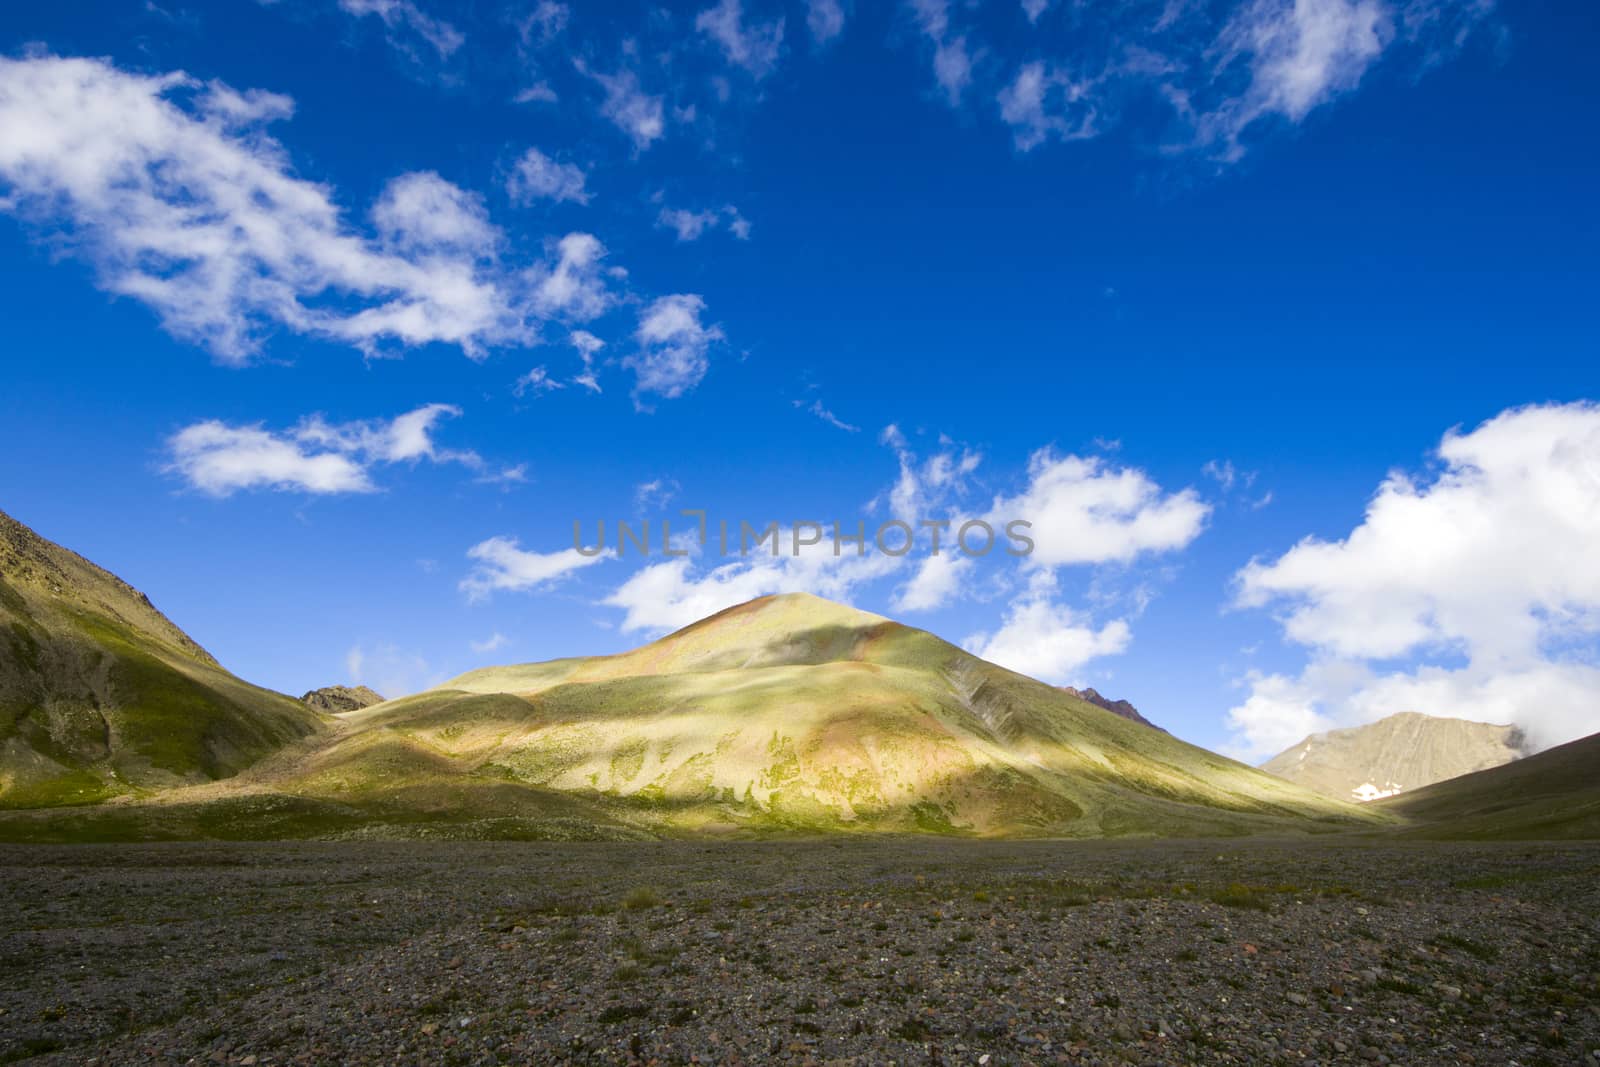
(1555, 794)
(1399, 753)
(793, 713)
(100, 694)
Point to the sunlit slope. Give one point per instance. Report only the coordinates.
(100, 694)
(1403, 752)
(1555, 794)
(795, 712)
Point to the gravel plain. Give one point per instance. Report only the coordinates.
(904, 951)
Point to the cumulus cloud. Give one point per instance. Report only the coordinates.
(502, 565)
(315, 456)
(176, 195)
(1085, 510)
(752, 46)
(574, 287)
(938, 581)
(673, 346)
(1475, 593)
(536, 176)
(1047, 640)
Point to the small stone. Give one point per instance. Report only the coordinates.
(1297, 998)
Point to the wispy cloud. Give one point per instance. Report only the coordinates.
(407, 23)
(535, 176)
(493, 643)
(632, 110)
(691, 225)
(816, 408)
(753, 46)
(502, 565)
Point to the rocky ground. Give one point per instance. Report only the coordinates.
(903, 951)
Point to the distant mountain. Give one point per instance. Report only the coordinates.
(1552, 795)
(101, 694)
(791, 713)
(1115, 707)
(1402, 752)
(338, 698)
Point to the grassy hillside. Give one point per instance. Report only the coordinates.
(793, 713)
(1553, 795)
(101, 695)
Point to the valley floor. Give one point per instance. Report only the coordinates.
(908, 951)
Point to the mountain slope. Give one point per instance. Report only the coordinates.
(1402, 752)
(101, 694)
(1115, 707)
(795, 713)
(1555, 794)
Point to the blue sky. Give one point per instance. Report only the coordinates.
(325, 319)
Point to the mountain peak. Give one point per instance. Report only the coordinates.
(1403, 751)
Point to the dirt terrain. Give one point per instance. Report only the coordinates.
(898, 950)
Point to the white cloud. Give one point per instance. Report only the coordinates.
(402, 18)
(502, 565)
(1044, 102)
(817, 408)
(825, 19)
(630, 108)
(673, 346)
(755, 47)
(587, 345)
(1084, 510)
(1485, 578)
(536, 176)
(575, 287)
(491, 644)
(542, 24)
(1300, 54)
(1048, 640)
(314, 457)
(537, 381)
(939, 580)
(952, 68)
(691, 225)
(177, 196)
(1218, 69)
(654, 494)
(537, 93)
(669, 595)
(219, 459)
(928, 487)
(952, 60)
